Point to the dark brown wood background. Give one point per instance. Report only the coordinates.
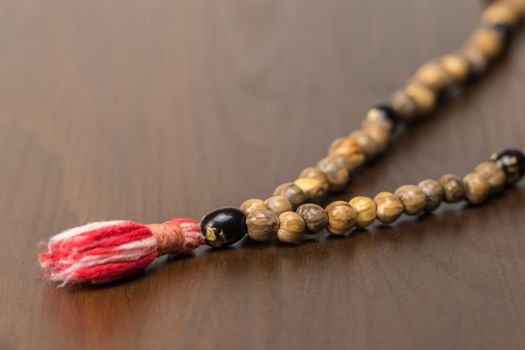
(152, 109)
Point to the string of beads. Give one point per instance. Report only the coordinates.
(276, 217)
(295, 208)
(105, 251)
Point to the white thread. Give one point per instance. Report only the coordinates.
(82, 229)
(93, 260)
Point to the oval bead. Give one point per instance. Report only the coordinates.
(223, 227)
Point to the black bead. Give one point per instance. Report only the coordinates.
(223, 227)
(506, 31)
(512, 162)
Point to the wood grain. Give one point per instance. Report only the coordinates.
(151, 109)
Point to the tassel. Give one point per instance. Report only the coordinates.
(105, 251)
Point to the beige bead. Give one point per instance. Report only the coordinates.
(314, 217)
(278, 204)
(349, 163)
(456, 67)
(453, 188)
(389, 207)
(432, 76)
(500, 13)
(252, 204)
(376, 117)
(341, 217)
(335, 172)
(314, 189)
(488, 42)
(291, 227)
(368, 144)
(477, 188)
(262, 225)
(424, 98)
(366, 210)
(413, 199)
(517, 5)
(403, 104)
(350, 150)
(493, 174)
(291, 191)
(380, 135)
(313, 173)
(344, 146)
(434, 193)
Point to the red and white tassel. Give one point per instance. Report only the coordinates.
(106, 251)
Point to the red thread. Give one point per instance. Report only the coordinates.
(106, 251)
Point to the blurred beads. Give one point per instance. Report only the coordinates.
(291, 191)
(335, 171)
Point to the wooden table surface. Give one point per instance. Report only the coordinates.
(151, 109)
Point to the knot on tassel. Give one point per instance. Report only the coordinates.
(177, 236)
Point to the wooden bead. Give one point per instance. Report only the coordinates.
(251, 204)
(380, 135)
(424, 98)
(335, 172)
(389, 207)
(368, 144)
(291, 191)
(314, 189)
(314, 217)
(278, 204)
(434, 193)
(456, 67)
(313, 173)
(350, 150)
(262, 225)
(477, 62)
(493, 174)
(291, 227)
(344, 146)
(477, 188)
(349, 163)
(488, 41)
(403, 104)
(517, 5)
(432, 76)
(500, 13)
(453, 188)
(366, 210)
(382, 116)
(413, 199)
(341, 217)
